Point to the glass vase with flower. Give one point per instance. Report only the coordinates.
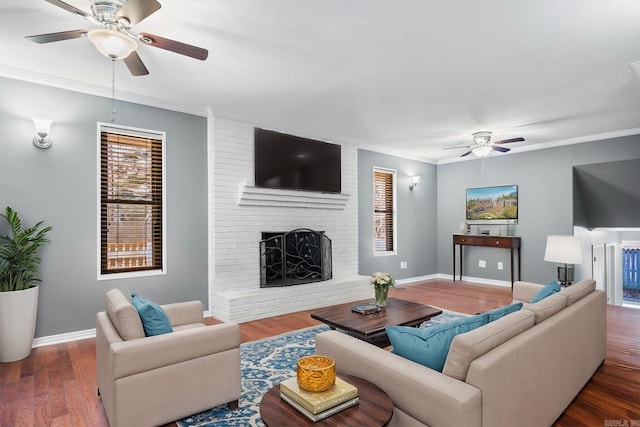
(381, 283)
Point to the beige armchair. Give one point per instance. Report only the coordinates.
(155, 380)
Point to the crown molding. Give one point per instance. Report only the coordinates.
(97, 90)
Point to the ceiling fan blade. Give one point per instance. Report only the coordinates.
(174, 46)
(137, 10)
(459, 146)
(71, 9)
(501, 149)
(466, 154)
(135, 65)
(508, 141)
(56, 37)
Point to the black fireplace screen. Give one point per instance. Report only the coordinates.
(293, 258)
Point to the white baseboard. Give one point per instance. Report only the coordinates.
(416, 279)
(476, 280)
(62, 338)
(631, 305)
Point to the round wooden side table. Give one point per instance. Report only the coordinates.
(375, 408)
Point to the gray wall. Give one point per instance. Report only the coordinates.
(416, 220)
(58, 185)
(545, 188)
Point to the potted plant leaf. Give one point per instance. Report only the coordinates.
(19, 265)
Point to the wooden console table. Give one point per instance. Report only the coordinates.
(505, 242)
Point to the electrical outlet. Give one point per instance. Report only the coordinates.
(500, 265)
(403, 264)
(482, 263)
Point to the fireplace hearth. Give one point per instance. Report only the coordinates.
(294, 258)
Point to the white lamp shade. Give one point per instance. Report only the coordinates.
(482, 151)
(564, 250)
(42, 126)
(415, 179)
(112, 43)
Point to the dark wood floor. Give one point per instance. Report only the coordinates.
(56, 385)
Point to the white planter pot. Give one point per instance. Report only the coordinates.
(18, 311)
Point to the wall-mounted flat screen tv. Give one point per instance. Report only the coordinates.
(492, 205)
(289, 162)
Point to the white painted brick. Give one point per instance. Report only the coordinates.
(234, 288)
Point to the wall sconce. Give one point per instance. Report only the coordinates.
(414, 182)
(41, 139)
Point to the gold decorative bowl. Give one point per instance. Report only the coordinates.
(316, 373)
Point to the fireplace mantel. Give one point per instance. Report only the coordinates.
(258, 196)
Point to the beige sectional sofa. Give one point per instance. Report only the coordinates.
(523, 369)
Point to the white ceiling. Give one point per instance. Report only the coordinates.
(406, 77)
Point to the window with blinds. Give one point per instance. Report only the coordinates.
(131, 201)
(384, 217)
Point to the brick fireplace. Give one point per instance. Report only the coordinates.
(239, 213)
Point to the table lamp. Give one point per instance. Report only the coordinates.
(565, 250)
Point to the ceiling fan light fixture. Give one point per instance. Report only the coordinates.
(111, 43)
(482, 151)
(482, 138)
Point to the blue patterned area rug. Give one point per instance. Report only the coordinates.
(264, 363)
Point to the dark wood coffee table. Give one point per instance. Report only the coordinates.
(370, 327)
(375, 408)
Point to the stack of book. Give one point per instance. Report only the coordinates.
(320, 405)
(366, 308)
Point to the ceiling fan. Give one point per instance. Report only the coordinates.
(482, 144)
(114, 38)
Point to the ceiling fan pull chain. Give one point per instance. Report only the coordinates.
(113, 90)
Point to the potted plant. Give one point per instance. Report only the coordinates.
(19, 264)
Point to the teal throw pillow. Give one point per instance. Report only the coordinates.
(497, 313)
(430, 346)
(154, 319)
(546, 291)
